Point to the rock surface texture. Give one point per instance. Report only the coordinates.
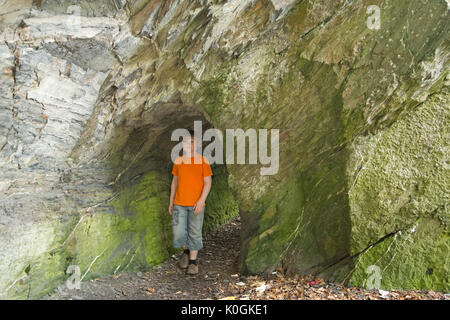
(91, 91)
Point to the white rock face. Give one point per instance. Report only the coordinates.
(52, 67)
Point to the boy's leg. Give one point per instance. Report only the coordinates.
(194, 239)
(193, 254)
(179, 226)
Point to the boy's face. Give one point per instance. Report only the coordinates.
(188, 145)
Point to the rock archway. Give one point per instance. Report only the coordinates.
(132, 229)
(87, 104)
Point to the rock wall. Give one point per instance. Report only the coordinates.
(90, 92)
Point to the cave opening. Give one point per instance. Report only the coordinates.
(140, 158)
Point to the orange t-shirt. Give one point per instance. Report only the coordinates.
(190, 179)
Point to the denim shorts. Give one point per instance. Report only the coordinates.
(187, 227)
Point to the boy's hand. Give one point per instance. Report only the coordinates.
(198, 206)
(170, 208)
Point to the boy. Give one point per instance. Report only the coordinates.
(190, 186)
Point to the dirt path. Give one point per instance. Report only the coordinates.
(218, 278)
(217, 263)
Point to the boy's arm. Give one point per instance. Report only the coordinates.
(201, 201)
(173, 188)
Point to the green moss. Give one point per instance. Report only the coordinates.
(146, 202)
(221, 206)
(400, 177)
(414, 258)
(40, 276)
(374, 98)
(213, 94)
(275, 230)
(134, 237)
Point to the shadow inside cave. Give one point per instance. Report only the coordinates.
(141, 165)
